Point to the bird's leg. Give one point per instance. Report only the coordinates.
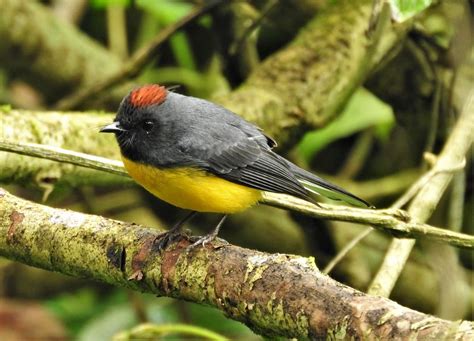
(210, 236)
(167, 237)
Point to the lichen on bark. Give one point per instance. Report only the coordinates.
(289, 298)
(75, 131)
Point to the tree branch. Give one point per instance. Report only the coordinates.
(300, 87)
(423, 205)
(396, 222)
(135, 64)
(305, 84)
(273, 294)
(67, 156)
(77, 131)
(49, 52)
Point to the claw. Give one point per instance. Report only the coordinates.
(208, 237)
(166, 238)
(202, 241)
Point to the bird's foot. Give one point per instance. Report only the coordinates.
(166, 238)
(202, 241)
(208, 237)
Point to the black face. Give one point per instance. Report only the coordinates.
(135, 130)
(148, 134)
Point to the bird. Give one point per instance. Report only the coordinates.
(199, 156)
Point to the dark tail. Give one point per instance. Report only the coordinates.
(317, 185)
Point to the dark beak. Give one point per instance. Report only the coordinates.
(112, 128)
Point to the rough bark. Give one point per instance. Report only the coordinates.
(390, 220)
(305, 84)
(76, 131)
(273, 294)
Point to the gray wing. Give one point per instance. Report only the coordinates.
(224, 144)
(240, 153)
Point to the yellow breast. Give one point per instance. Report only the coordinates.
(193, 189)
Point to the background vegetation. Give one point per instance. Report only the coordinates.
(361, 93)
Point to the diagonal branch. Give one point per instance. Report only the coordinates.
(423, 205)
(396, 222)
(136, 63)
(302, 86)
(273, 294)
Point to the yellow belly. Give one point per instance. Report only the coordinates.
(193, 189)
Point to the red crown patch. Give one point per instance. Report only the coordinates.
(148, 95)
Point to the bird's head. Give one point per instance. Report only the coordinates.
(138, 119)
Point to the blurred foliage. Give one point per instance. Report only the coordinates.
(150, 331)
(200, 82)
(363, 111)
(90, 315)
(405, 9)
(167, 12)
(194, 59)
(99, 4)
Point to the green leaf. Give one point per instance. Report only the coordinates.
(99, 4)
(75, 308)
(6, 108)
(363, 111)
(182, 51)
(122, 316)
(166, 11)
(214, 319)
(405, 9)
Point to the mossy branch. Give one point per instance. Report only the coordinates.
(78, 131)
(48, 52)
(274, 294)
(301, 86)
(75, 131)
(67, 156)
(396, 222)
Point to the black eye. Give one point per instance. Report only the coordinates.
(148, 125)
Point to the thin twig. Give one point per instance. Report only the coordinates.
(66, 156)
(422, 181)
(237, 45)
(421, 208)
(352, 243)
(456, 203)
(136, 63)
(350, 168)
(435, 108)
(116, 30)
(345, 250)
(358, 155)
(388, 220)
(407, 196)
(375, 16)
(148, 331)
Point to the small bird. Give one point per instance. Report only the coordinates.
(199, 156)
